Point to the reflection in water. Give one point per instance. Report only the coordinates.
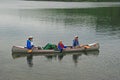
(30, 60)
(50, 57)
(55, 56)
(104, 19)
(87, 53)
(108, 22)
(88, 23)
(60, 56)
(95, 53)
(75, 58)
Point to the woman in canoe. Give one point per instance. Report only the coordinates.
(61, 46)
(29, 44)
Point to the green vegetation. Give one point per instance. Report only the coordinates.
(80, 0)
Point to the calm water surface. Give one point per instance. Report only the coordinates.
(91, 22)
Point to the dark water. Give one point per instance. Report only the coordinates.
(97, 24)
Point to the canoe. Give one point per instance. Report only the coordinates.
(21, 49)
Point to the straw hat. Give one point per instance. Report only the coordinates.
(30, 37)
(76, 36)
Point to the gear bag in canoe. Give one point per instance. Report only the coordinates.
(50, 46)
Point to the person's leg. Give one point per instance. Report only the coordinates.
(61, 50)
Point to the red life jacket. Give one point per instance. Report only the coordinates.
(61, 45)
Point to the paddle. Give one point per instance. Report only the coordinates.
(29, 51)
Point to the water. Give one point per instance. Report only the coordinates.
(91, 22)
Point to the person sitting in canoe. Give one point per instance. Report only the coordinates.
(61, 46)
(29, 44)
(77, 45)
(76, 42)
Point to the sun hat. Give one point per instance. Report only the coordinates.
(76, 36)
(30, 37)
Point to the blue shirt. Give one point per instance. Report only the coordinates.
(29, 45)
(75, 43)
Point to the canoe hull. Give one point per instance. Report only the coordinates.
(16, 49)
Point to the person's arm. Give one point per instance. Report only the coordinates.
(73, 43)
(78, 43)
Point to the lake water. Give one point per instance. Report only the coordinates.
(54, 21)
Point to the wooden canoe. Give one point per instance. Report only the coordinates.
(20, 49)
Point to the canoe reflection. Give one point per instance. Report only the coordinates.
(59, 56)
(75, 56)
